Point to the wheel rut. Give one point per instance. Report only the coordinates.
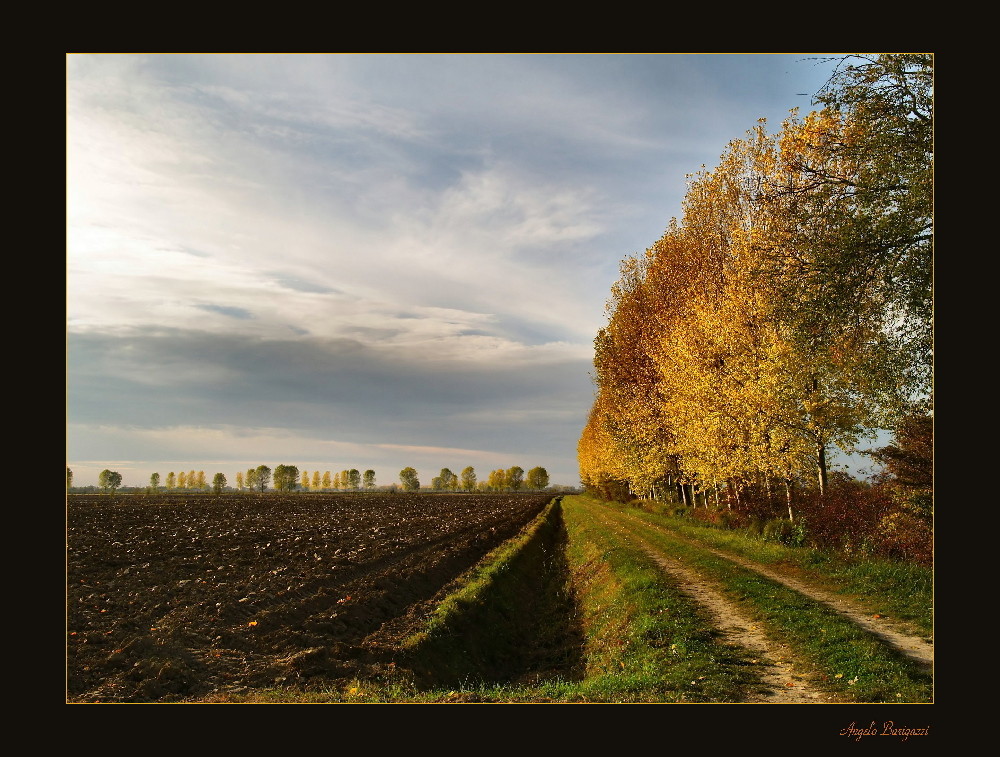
(782, 676)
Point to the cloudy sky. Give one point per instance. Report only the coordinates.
(369, 261)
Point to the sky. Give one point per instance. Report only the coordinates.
(370, 260)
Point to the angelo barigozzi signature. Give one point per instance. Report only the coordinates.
(889, 728)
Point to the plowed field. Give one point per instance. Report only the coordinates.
(172, 598)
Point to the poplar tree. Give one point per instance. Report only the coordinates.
(538, 478)
(262, 477)
(468, 476)
(109, 480)
(408, 478)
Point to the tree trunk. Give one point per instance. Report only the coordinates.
(788, 499)
(821, 467)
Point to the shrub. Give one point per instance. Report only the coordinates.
(902, 536)
(705, 515)
(868, 520)
(784, 531)
(847, 517)
(733, 519)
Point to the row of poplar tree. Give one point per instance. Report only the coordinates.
(789, 311)
(288, 478)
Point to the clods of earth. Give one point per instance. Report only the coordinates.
(180, 597)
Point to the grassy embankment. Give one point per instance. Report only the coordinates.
(573, 611)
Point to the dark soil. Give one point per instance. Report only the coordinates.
(181, 598)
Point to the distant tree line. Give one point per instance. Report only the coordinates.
(286, 478)
(511, 479)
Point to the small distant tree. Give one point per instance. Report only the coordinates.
(192, 480)
(201, 483)
(262, 477)
(251, 479)
(469, 479)
(538, 478)
(327, 481)
(315, 481)
(219, 483)
(345, 479)
(497, 480)
(154, 481)
(436, 484)
(69, 478)
(369, 479)
(354, 478)
(182, 480)
(304, 483)
(408, 478)
(515, 477)
(171, 480)
(448, 479)
(239, 480)
(109, 480)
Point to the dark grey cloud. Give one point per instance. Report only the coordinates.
(342, 388)
(232, 312)
(300, 285)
